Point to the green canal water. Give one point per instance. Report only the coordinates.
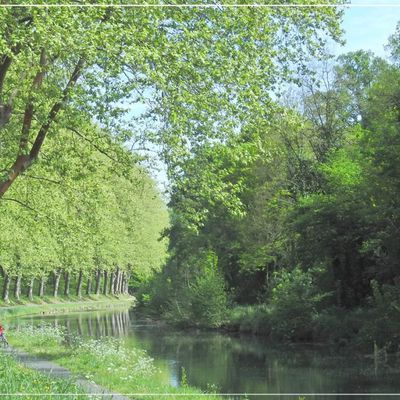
(238, 364)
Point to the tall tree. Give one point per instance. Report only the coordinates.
(200, 72)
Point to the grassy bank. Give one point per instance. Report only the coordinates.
(51, 305)
(18, 382)
(106, 362)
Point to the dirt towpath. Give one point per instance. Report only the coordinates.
(51, 369)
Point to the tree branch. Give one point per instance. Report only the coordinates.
(99, 149)
(55, 109)
(40, 178)
(29, 110)
(21, 204)
(3, 71)
(33, 210)
(25, 161)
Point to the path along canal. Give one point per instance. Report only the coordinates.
(235, 364)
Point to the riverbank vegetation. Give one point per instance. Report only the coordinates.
(106, 361)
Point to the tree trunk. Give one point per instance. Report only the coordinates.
(57, 276)
(112, 279)
(123, 277)
(105, 282)
(79, 286)
(121, 283)
(66, 283)
(6, 288)
(89, 287)
(116, 282)
(30, 289)
(41, 287)
(126, 288)
(17, 288)
(21, 163)
(98, 279)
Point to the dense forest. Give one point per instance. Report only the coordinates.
(282, 164)
(292, 229)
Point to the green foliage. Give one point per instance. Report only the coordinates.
(343, 170)
(294, 299)
(196, 74)
(314, 186)
(200, 300)
(90, 218)
(251, 319)
(256, 187)
(107, 362)
(205, 80)
(207, 294)
(382, 326)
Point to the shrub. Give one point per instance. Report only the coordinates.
(155, 293)
(208, 297)
(382, 319)
(254, 318)
(203, 302)
(338, 325)
(209, 300)
(294, 301)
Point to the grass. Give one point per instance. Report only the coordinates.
(106, 362)
(51, 305)
(16, 380)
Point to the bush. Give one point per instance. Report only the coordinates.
(203, 302)
(155, 293)
(294, 302)
(382, 319)
(338, 325)
(254, 319)
(208, 296)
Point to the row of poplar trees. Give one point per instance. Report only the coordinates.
(75, 226)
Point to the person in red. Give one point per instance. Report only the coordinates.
(2, 336)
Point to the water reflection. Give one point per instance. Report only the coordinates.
(89, 324)
(234, 364)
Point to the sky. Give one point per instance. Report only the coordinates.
(368, 28)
